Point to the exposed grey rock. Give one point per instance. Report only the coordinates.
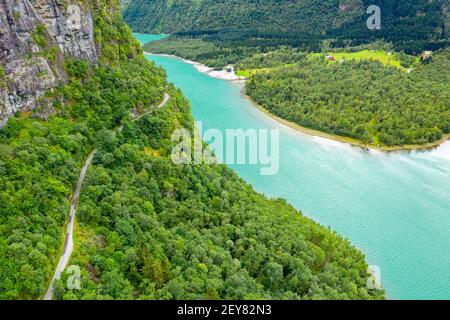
(30, 69)
(71, 25)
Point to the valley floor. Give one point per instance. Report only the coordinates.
(266, 75)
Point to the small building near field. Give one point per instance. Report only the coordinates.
(343, 7)
(426, 56)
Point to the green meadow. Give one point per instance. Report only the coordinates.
(378, 55)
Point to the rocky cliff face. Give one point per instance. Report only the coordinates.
(35, 36)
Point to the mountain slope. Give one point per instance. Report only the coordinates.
(415, 22)
(43, 146)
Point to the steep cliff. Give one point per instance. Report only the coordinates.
(35, 36)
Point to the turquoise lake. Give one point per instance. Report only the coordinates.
(395, 207)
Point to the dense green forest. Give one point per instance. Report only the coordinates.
(364, 100)
(411, 25)
(146, 228)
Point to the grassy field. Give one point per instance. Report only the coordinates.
(381, 56)
(250, 72)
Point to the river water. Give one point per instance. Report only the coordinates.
(395, 207)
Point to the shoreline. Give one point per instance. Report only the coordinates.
(231, 76)
(200, 67)
(347, 140)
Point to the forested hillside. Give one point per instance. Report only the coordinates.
(146, 228)
(410, 24)
(40, 160)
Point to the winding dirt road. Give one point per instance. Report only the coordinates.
(68, 242)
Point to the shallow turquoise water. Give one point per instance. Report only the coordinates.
(144, 38)
(394, 207)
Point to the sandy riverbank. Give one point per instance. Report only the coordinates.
(218, 74)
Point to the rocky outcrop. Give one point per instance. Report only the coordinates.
(35, 36)
(70, 23)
